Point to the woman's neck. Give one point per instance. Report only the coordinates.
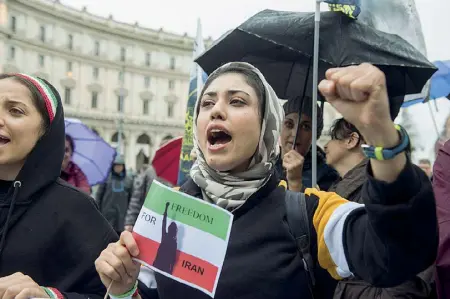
(348, 163)
(9, 172)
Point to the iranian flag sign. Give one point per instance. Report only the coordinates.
(183, 237)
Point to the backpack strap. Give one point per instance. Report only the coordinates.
(298, 221)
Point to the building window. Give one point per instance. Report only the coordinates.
(97, 48)
(147, 81)
(94, 99)
(70, 42)
(170, 109)
(121, 77)
(42, 34)
(67, 95)
(12, 52)
(13, 24)
(95, 72)
(41, 60)
(69, 66)
(123, 54)
(148, 59)
(171, 85)
(120, 102)
(172, 63)
(145, 107)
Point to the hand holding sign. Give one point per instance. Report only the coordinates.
(115, 265)
(182, 237)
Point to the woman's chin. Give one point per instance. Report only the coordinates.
(226, 164)
(222, 166)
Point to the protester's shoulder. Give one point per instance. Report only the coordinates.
(190, 187)
(443, 156)
(69, 195)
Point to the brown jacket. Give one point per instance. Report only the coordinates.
(350, 187)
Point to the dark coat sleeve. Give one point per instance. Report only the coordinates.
(395, 237)
(386, 241)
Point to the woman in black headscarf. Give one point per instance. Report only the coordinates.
(49, 230)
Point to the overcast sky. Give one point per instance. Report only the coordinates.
(218, 16)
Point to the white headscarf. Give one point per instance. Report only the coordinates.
(230, 191)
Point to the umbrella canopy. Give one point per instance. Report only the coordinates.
(440, 84)
(280, 44)
(92, 154)
(166, 160)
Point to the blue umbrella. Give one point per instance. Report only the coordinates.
(92, 154)
(440, 83)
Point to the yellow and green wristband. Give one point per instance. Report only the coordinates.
(380, 153)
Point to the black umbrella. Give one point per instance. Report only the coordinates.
(280, 44)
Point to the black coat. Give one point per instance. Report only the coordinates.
(380, 242)
(350, 187)
(55, 231)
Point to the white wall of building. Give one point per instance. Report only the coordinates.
(162, 81)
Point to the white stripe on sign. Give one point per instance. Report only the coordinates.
(190, 240)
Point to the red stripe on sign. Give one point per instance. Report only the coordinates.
(147, 248)
(187, 267)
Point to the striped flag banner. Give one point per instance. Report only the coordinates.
(182, 237)
(352, 8)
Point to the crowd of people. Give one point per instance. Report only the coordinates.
(373, 222)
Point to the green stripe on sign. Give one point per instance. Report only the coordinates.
(188, 210)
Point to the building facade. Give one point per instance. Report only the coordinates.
(110, 75)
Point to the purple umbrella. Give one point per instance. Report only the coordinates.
(92, 154)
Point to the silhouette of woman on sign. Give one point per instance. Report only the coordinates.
(167, 251)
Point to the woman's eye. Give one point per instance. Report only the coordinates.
(16, 111)
(306, 127)
(289, 124)
(237, 101)
(207, 103)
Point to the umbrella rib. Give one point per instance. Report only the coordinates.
(287, 81)
(302, 103)
(90, 160)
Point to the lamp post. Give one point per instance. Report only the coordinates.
(121, 112)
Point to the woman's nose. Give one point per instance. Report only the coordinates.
(219, 110)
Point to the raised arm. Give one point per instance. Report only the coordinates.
(164, 223)
(394, 235)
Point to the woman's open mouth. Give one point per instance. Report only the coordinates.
(4, 141)
(218, 139)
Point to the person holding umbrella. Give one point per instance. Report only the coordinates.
(70, 172)
(237, 122)
(50, 232)
(295, 163)
(113, 196)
